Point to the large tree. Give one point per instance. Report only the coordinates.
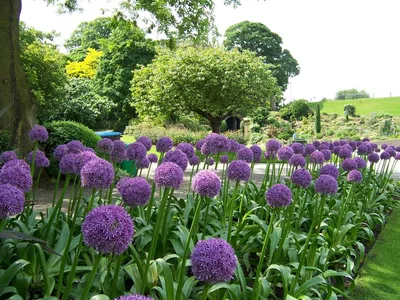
(211, 82)
(258, 38)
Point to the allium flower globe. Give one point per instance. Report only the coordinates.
(60, 151)
(134, 191)
(210, 161)
(245, 154)
(178, 157)
(301, 177)
(119, 151)
(349, 164)
(317, 157)
(143, 163)
(206, 183)
(373, 158)
(199, 144)
(354, 176)
(38, 133)
(344, 153)
(385, 155)
(384, 146)
(257, 152)
(7, 156)
(224, 159)
(213, 261)
(206, 149)
(272, 146)
(134, 297)
(83, 158)
(327, 154)
(316, 144)
(326, 184)
(361, 163)
(186, 148)
(234, 146)
(97, 174)
(194, 160)
(152, 158)
(362, 149)
(136, 151)
(17, 163)
(108, 229)
(41, 161)
(278, 195)
(239, 170)
(75, 147)
(146, 141)
(11, 201)
(164, 144)
(285, 153)
(168, 174)
(297, 160)
(218, 143)
(297, 148)
(17, 173)
(105, 145)
(269, 155)
(353, 145)
(309, 148)
(69, 164)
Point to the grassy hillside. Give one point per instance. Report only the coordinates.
(367, 106)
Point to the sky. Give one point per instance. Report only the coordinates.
(339, 44)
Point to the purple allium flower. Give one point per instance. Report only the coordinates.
(146, 141)
(362, 149)
(326, 184)
(194, 160)
(370, 149)
(272, 146)
(297, 160)
(354, 176)
(361, 163)
(11, 201)
(152, 158)
(257, 152)
(397, 148)
(119, 152)
(329, 169)
(143, 163)
(200, 144)
(60, 151)
(218, 143)
(327, 154)
(97, 173)
(186, 148)
(105, 145)
(164, 144)
(297, 148)
(234, 146)
(239, 170)
(213, 261)
(377, 150)
(41, 161)
(365, 139)
(75, 147)
(134, 297)
(108, 229)
(224, 159)
(7, 156)
(88, 149)
(178, 157)
(17, 173)
(349, 164)
(373, 158)
(336, 150)
(324, 145)
(83, 158)
(353, 145)
(205, 149)
(210, 161)
(245, 154)
(397, 157)
(385, 155)
(336, 143)
(134, 191)
(317, 157)
(38, 133)
(301, 177)
(119, 146)
(344, 153)
(285, 153)
(136, 151)
(269, 155)
(384, 146)
(278, 195)
(69, 164)
(316, 144)
(391, 152)
(309, 148)
(168, 174)
(206, 183)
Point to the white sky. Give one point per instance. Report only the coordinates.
(338, 44)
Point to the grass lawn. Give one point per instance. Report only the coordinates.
(366, 106)
(379, 277)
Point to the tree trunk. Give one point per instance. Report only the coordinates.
(215, 124)
(17, 106)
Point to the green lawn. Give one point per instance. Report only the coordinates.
(380, 274)
(379, 106)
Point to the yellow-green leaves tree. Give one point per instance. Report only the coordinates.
(86, 68)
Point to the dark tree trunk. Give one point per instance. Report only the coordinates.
(17, 106)
(215, 124)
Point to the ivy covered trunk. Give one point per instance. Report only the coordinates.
(17, 111)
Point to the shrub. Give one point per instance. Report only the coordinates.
(296, 110)
(5, 141)
(260, 116)
(255, 138)
(349, 110)
(238, 136)
(318, 120)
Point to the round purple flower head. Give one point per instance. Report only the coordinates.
(297, 160)
(17, 173)
(69, 164)
(397, 157)
(75, 147)
(143, 163)
(384, 146)
(186, 148)
(7, 156)
(316, 144)
(213, 261)
(105, 145)
(178, 157)
(324, 145)
(205, 149)
(89, 150)
(272, 146)
(97, 173)
(245, 154)
(224, 159)
(38, 133)
(269, 155)
(317, 157)
(301, 177)
(83, 158)
(327, 154)
(329, 169)
(119, 152)
(41, 161)
(164, 144)
(194, 160)
(344, 153)
(353, 145)
(326, 184)
(349, 164)
(136, 151)
(146, 141)
(278, 195)
(309, 148)
(285, 153)
(108, 229)
(362, 149)
(297, 148)
(336, 143)
(200, 144)
(210, 161)
(11, 201)
(257, 152)
(239, 170)
(218, 143)
(134, 297)
(152, 158)
(377, 150)
(385, 155)
(60, 151)
(391, 152)
(354, 176)
(234, 146)
(397, 148)
(365, 139)
(373, 158)
(206, 183)
(168, 174)
(134, 191)
(361, 163)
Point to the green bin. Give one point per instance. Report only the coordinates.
(127, 166)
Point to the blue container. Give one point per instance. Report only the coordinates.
(112, 135)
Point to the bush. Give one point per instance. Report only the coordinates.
(5, 141)
(296, 110)
(238, 136)
(260, 116)
(349, 110)
(255, 138)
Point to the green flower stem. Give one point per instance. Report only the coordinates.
(165, 227)
(89, 283)
(190, 180)
(231, 206)
(73, 269)
(280, 171)
(71, 197)
(56, 188)
(36, 187)
(90, 204)
(115, 279)
(110, 193)
(208, 200)
(148, 171)
(205, 291)
(217, 160)
(346, 202)
(150, 204)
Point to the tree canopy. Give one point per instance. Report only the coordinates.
(351, 94)
(86, 68)
(258, 38)
(211, 82)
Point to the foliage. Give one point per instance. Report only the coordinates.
(296, 110)
(5, 141)
(349, 110)
(318, 120)
(86, 68)
(258, 38)
(211, 82)
(238, 136)
(260, 115)
(351, 94)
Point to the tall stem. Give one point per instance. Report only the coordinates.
(231, 208)
(88, 285)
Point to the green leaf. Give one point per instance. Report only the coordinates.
(11, 271)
